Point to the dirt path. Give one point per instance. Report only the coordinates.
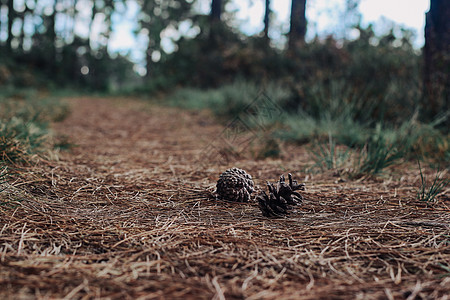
(128, 214)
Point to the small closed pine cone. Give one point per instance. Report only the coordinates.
(235, 185)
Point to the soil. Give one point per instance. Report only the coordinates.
(129, 212)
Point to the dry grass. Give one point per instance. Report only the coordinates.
(128, 214)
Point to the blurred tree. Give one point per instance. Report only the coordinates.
(108, 10)
(2, 22)
(437, 56)
(350, 18)
(152, 27)
(11, 17)
(154, 18)
(20, 18)
(216, 10)
(43, 53)
(215, 24)
(51, 29)
(69, 25)
(298, 24)
(267, 13)
(91, 23)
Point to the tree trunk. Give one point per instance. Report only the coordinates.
(215, 24)
(216, 10)
(437, 57)
(267, 19)
(109, 10)
(11, 17)
(148, 59)
(2, 24)
(51, 30)
(50, 42)
(298, 24)
(21, 16)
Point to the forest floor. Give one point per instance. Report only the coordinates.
(129, 213)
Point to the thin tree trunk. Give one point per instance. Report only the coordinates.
(216, 10)
(437, 57)
(267, 19)
(298, 24)
(108, 21)
(51, 42)
(1, 23)
(148, 57)
(21, 17)
(51, 27)
(11, 17)
(215, 16)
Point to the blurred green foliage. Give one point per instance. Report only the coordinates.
(39, 68)
(376, 78)
(364, 93)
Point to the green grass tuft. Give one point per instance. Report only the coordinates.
(427, 193)
(327, 156)
(24, 119)
(378, 154)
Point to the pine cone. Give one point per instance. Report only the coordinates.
(288, 191)
(277, 202)
(272, 205)
(235, 185)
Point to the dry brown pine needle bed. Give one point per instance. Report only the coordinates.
(128, 214)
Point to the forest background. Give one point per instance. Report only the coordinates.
(355, 88)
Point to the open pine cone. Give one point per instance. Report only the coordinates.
(235, 185)
(276, 203)
(288, 191)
